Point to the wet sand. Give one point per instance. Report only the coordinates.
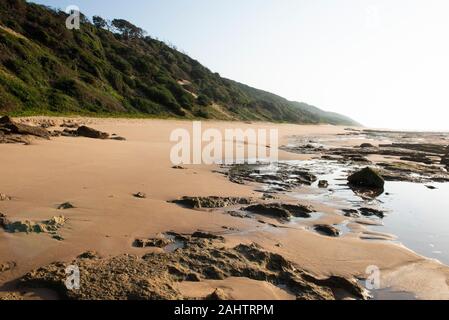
(100, 176)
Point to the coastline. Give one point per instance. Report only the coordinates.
(100, 177)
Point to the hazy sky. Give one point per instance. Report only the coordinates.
(383, 62)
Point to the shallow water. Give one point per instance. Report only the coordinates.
(417, 215)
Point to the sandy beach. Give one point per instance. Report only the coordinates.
(100, 177)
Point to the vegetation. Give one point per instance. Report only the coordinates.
(112, 68)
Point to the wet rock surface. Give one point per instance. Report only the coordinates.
(210, 202)
(153, 276)
(278, 177)
(281, 211)
(413, 162)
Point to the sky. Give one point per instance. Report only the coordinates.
(384, 63)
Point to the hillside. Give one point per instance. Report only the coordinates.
(47, 69)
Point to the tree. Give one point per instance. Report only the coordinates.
(99, 22)
(127, 29)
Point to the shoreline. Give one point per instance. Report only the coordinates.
(100, 177)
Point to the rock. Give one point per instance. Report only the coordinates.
(369, 212)
(71, 125)
(280, 211)
(218, 295)
(57, 237)
(4, 197)
(328, 230)
(155, 243)
(431, 187)
(9, 126)
(154, 276)
(10, 296)
(118, 138)
(178, 167)
(89, 255)
(324, 184)
(351, 213)
(140, 195)
(193, 277)
(367, 145)
(7, 266)
(84, 131)
(211, 202)
(65, 206)
(26, 226)
(366, 178)
(418, 158)
(3, 220)
(205, 235)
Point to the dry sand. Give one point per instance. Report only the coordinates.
(100, 176)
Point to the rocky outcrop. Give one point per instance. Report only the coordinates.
(87, 132)
(153, 276)
(369, 212)
(278, 177)
(140, 195)
(283, 212)
(13, 132)
(211, 202)
(324, 184)
(155, 243)
(366, 178)
(50, 226)
(7, 125)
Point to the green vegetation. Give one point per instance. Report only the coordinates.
(113, 69)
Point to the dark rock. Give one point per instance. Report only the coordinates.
(65, 206)
(178, 167)
(211, 202)
(140, 195)
(369, 212)
(84, 131)
(366, 178)
(89, 255)
(431, 187)
(351, 213)
(118, 138)
(156, 243)
(154, 275)
(4, 222)
(206, 235)
(366, 145)
(8, 126)
(280, 211)
(328, 230)
(323, 184)
(418, 158)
